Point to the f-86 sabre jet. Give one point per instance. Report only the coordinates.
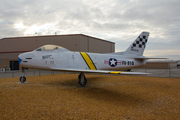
(56, 58)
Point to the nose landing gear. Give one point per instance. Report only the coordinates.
(22, 78)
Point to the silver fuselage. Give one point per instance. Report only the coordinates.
(65, 59)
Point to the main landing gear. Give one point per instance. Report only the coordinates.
(22, 78)
(82, 79)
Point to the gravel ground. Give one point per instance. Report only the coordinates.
(104, 97)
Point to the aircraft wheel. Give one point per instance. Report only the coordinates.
(79, 77)
(82, 82)
(22, 79)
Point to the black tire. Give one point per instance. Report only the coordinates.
(79, 77)
(79, 80)
(22, 79)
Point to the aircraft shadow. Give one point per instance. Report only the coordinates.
(72, 83)
(93, 91)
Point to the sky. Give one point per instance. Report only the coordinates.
(119, 21)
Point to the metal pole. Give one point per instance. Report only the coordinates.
(145, 70)
(12, 73)
(12, 65)
(34, 72)
(39, 73)
(169, 70)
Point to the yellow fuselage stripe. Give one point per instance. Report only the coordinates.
(88, 61)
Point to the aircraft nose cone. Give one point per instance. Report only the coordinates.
(20, 59)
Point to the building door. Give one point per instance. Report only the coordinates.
(14, 65)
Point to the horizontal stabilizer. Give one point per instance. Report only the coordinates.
(144, 58)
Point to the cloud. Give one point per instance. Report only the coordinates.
(120, 21)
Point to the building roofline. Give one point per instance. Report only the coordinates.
(56, 36)
(16, 51)
(97, 38)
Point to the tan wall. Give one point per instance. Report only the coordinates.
(84, 44)
(173, 65)
(157, 65)
(68, 42)
(5, 59)
(31, 43)
(99, 46)
(4, 62)
(9, 56)
(71, 42)
(90, 44)
(160, 65)
(112, 48)
(17, 44)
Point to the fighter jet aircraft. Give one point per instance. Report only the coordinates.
(56, 58)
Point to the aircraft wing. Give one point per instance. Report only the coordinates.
(99, 71)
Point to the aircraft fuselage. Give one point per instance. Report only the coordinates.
(77, 60)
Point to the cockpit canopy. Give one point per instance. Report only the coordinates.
(48, 47)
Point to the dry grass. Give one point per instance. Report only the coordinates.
(104, 97)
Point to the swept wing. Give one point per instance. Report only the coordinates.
(99, 71)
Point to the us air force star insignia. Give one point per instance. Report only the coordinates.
(112, 62)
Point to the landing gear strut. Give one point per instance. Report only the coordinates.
(22, 78)
(82, 79)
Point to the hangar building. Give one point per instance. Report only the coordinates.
(10, 48)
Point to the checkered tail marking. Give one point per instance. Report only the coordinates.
(140, 42)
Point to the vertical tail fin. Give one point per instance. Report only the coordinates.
(138, 46)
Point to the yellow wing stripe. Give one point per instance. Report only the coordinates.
(115, 72)
(88, 61)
